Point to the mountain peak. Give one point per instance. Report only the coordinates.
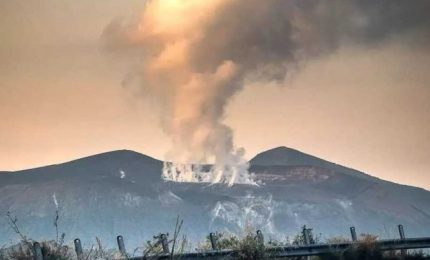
(285, 156)
(116, 155)
(282, 155)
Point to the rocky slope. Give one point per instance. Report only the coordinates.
(121, 192)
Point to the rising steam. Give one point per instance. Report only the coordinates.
(193, 56)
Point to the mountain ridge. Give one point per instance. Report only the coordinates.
(126, 152)
(121, 192)
(288, 153)
(254, 161)
(285, 156)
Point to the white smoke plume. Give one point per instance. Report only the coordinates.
(193, 56)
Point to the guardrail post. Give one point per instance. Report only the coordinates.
(401, 232)
(306, 238)
(260, 238)
(213, 241)
(260, 244)
(403, 252)
(353, 234)
(78, 249)
(164, 243)
(305, 233)
(37, 251)
(121, 246)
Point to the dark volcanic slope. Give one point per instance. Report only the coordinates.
(121, 192)
(284, 156)
(103, 165)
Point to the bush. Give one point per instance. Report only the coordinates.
(50, 251)
(367, 249)
(299, 239)
(248, 245)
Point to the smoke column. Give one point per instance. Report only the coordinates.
(193, 56)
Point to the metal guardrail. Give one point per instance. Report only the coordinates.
(308, 249)
(321, 249)
(297, 251)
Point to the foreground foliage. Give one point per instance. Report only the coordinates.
(249, 245)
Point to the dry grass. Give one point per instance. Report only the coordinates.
(249, 245)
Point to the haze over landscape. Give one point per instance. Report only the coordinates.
(124, 117)
(364, 103)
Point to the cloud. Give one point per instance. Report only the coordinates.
(193, 56)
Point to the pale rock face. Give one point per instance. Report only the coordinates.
(122, 174)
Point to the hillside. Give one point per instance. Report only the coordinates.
(121, 192)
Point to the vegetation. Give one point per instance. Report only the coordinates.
(249, 245)
(51, 250)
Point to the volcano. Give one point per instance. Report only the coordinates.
(122, 193)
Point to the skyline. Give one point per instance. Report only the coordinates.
(61, 98)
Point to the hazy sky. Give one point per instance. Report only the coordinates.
(366, 107)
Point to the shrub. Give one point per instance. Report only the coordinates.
(247, 245)
(299, 239)
(50, 251)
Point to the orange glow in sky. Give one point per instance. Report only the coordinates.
(61, 97)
